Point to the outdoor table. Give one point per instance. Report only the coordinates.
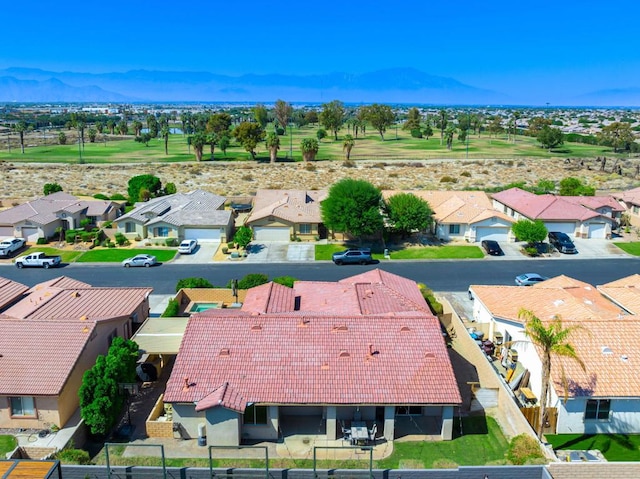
(359, 432)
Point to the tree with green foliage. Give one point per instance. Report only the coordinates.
(152, 126)
(536, 124)
(193, 283)
(332, 116)
(273, 145)
(144, 138)
(150, 183)
(381, 117)
(123, 128)
(311, 117)
(544, 186)
(249, 135)
(172, 310)
(20, 128)
(448, 136)
(165, 131)
(169, 189)
(93, 134)
(552, 339)
(309, 148)
(443, 120)
(219, 123)
(101, 395)
(353, 207)
(532, 232)
(111, 126)
(321, 134)
(407, 213)
(137, 127)
(495, 126)
(252, 280)
(51, 188)
(223, 143)
(550, 137)
(62, 138)
(427, 132)
(197, 142)
(261, 115)
(282, 111)
(574, 187)
(287, 281)
(243, 236)
(618, 135)
(347, 145)
(413, 120)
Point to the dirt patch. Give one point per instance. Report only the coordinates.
(21, 182)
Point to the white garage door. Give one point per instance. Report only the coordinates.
(597, 230)
(30, 234)
(202, 234)
(6, 232)
(568, 228)
(495, 234)
(266, 233)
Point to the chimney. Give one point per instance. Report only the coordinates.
(186, 383)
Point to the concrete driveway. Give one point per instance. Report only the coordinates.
(202, 254)
(280, 252)
(587, 249)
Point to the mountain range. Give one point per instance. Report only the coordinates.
(398, 85)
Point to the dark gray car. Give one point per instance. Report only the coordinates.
(562, 242)
(353, 256)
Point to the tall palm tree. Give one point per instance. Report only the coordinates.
(552, 339)
(443, 123)
(20, 128)
(164, 133)
(273, 144)
(198, 141)
(347, 145)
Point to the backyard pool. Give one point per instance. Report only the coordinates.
(200, 307)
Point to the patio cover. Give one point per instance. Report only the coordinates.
(161, 335)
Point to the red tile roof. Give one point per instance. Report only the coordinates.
(282, 359)
(36, 357)
(61, 282)
(295, 206)
(10, 291)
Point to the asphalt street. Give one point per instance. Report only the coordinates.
(448, 275)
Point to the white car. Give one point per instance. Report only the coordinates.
(11, 245)
(145, 260)
(187, 246)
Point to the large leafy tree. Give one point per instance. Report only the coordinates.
(273, 145)
(618, 135)
(550, 137)
(407, 213)
(261, 115)
(413, 120)
(353, 207)
(50, 188)
(309, 148)
(530, 231)
(249, 135)
(243, 236)
(282, 111)
(136, 184)
(380, 117)
(552, 339)
(574, 187)
(332, 116)
(219, 123)
(101, 395)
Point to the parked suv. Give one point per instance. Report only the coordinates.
(562, 242)
(353, 256)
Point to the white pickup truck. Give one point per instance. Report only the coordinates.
(38, 260)
(10, 245)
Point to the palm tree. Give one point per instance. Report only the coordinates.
(443, 123)
(198, 141)
(347, 145)
(137, 127)
(448, 136)
(309, 148)
(164, 133)
(111, 126)
(273, 144)
(21, 127)
(551, 338)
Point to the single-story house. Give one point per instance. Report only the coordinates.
(630, 202)
(464, 215)
(364, 348)
(577, 216)
(195, 215)
(283, 215)
(67, 324)
(40, 218)
(625, 292)
(602, 398)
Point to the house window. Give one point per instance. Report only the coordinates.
(598, 409)
(305, 229)
(162, 231)
(255, 414)
(636, 209)
(111, 337)
(22, 406)
(129, 227)
(408, 410)
(454, 229)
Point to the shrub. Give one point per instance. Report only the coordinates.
(280, 131)
(100, 196)
(70, 236)
(523, 449)
(321, 134)
(120, 239)
(108, 224)
(247, 178)
(225, 250)
(448, 179)
(86, 236)
(42, 241)
(427, 294)
(416, 133)
(118, 197)
(172, 310)
(73, 456)
(193, 283)
(531, 251)
(285, 280)
(466, 173)
(251, 280)
(171, 242)
(310, 167)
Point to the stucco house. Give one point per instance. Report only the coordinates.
(66, 324)
(283, 215)
(40, 218)
(602, 398)
(630, 202)
(365, 348)
(464, 215)
(195, 215)
(577, 216)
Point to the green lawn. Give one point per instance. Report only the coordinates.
(631, 248)
(614, 447)
(7, 444)
(115, 255)
(482, 443)
(67, 256)
(324, 252)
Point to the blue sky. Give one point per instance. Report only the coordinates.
(534, 51)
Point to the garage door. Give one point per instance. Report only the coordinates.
(202, 234)
(266, 233)
(495, 234)
(597, 230)
(6, 232)
(30, 234)
(568, 228)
